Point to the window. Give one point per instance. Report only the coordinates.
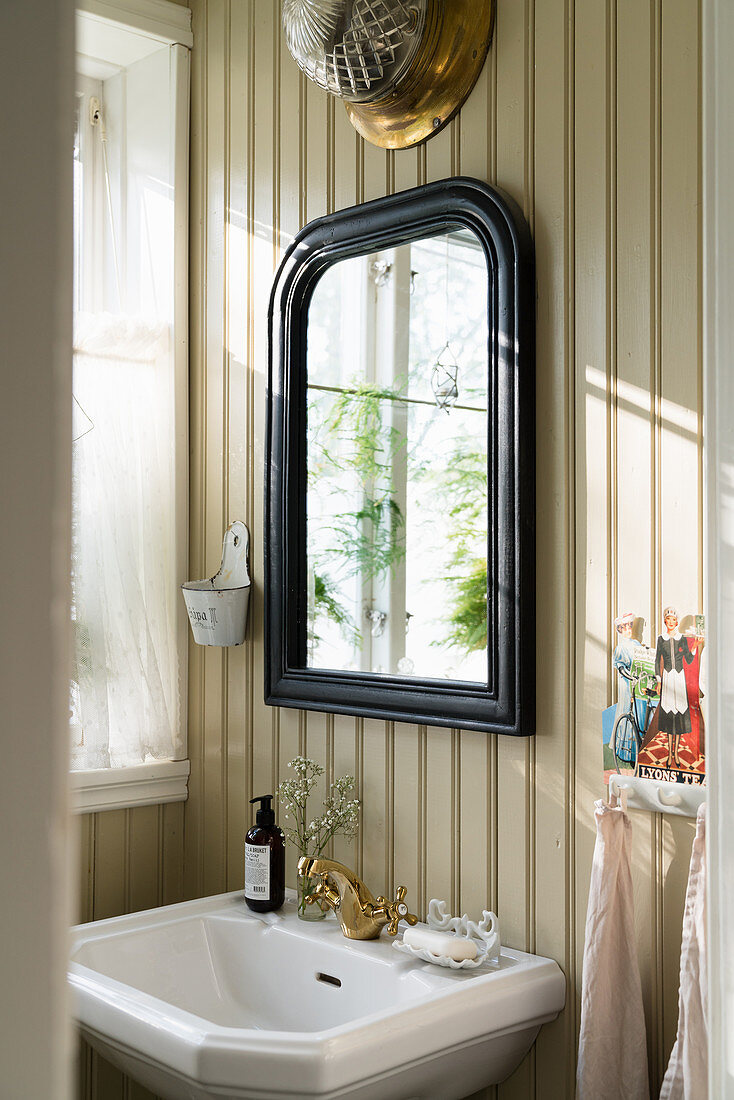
(129, 407)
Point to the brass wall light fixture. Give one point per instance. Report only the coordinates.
(402, 67)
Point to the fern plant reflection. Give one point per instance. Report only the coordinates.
(348, 431)
(370, 540)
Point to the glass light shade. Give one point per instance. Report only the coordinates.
(355, 49)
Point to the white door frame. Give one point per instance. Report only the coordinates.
(37, 89)
(718, 168)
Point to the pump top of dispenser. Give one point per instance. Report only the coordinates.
(266, 814)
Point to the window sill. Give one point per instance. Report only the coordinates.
(119, 788)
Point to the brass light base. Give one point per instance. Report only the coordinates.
(446, 68)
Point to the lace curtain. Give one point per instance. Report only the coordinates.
(124, 692)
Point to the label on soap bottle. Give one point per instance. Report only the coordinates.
(257, 871)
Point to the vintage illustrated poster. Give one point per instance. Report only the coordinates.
(656, 730)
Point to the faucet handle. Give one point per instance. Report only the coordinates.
(322, 894)
(396, 910)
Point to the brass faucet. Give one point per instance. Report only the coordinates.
(361, 916)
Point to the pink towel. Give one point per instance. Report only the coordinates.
(687, 1075)
(612, 1061)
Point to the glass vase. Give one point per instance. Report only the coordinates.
(306, 887)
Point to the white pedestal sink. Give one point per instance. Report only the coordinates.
(206, 1000)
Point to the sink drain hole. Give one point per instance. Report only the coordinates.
(329, 979)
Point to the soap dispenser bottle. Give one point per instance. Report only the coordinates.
(264, 860)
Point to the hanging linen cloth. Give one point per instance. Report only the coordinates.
(612, 1062)
(686, 1077)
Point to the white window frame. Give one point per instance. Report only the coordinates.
(87, 86)
(169, 24)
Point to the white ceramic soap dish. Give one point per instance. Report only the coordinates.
(485, 934)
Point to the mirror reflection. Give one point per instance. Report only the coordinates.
(397, 428)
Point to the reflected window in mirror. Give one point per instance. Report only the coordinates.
(397, 461)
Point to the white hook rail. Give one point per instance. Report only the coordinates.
(649, 794)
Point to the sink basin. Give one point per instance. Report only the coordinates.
(206, 999)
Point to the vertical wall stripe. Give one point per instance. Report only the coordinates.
(278, 244)
(226, 391)
(423, 819)
(359, 780)
(493, 802)
(655, 1044)
(699, 311)
(389, 888)
(574, 945)
(303, 150)
(126, 861)
(612, 302)
(530, 106)
(159, 868)
(529, 192)
(455, 817)
(198, 421)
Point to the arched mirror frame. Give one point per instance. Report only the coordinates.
(506, 703)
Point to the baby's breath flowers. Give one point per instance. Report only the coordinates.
(341, 814)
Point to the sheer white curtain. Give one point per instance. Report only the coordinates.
(125, 697)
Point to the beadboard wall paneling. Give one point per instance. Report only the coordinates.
(588, 114)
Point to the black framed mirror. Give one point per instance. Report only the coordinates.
(400, 463)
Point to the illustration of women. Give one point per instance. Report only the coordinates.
(673, 652)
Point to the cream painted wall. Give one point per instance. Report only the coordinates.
(589, 115)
